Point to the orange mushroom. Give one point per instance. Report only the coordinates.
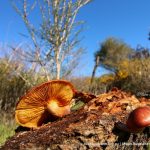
(137, 121)
(44, 102)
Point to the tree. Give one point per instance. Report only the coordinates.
(133, 74)
(58, 30)
(111, 52)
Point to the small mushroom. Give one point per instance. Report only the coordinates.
(45, 102)
(137, 121)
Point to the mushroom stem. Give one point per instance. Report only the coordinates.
(124, 128)
(56, 110)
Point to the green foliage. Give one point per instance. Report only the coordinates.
(107, 78)
(5, 132)
(137, 79)
(130, 68)
(110, 54)
(112, 51)
(11, 86)
(77, 106)
(15, 80)
(7, 127)
(133, 74)
(96, 87)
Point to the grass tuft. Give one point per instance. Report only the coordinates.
(7, 127)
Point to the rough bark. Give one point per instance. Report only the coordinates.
(91, 127)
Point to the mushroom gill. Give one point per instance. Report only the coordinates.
(51, 99)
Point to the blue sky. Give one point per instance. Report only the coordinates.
(128, 20)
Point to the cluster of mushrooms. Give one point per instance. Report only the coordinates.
(54, 99)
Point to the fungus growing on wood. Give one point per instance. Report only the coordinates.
(44, 102)
(137, 121)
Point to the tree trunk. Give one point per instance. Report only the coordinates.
(58, 65)
(94, 70)
(58, 69)
(93, 73)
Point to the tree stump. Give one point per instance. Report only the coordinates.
(91, 127)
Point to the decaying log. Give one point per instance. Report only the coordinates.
(91, 127)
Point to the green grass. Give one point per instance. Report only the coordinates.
(5, 132)
(7, 127)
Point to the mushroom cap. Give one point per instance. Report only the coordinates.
(139, 118)
(49, 99)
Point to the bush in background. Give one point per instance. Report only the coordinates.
(15, 80)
